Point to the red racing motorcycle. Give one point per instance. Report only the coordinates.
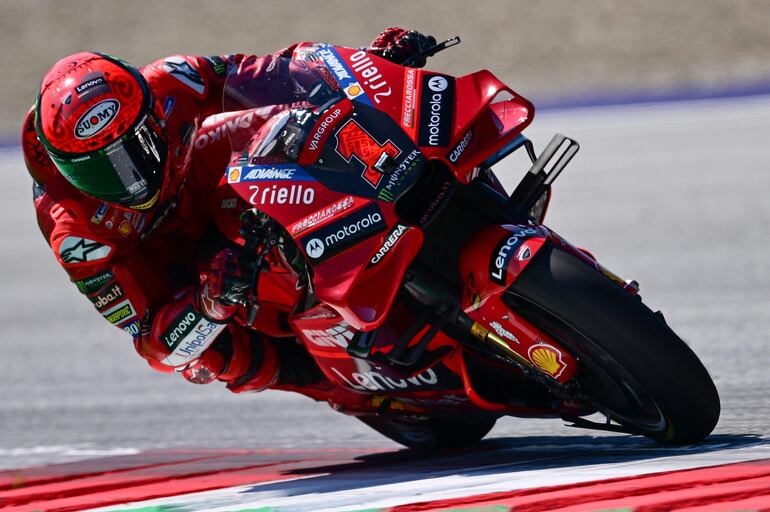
(432, 300)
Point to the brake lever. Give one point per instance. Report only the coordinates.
(433, 50)
(256, 232)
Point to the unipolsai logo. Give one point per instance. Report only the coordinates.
(96, 118)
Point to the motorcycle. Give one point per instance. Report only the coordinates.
(432, 301)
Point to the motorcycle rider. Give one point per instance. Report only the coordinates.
(124, 164)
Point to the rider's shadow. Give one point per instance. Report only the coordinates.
(512, 457)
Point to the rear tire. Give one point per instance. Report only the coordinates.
(632, 366)
(430, 433)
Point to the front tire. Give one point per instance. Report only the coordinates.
(632, 366)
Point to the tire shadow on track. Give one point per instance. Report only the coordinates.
(523, 455)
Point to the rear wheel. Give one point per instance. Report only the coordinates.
(431, 433)
(632, 366)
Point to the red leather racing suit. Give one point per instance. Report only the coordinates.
(141, 269)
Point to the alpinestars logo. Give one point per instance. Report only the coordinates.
(337, 237)
(184, 72)
(78, 250)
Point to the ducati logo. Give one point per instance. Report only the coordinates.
(315, 248)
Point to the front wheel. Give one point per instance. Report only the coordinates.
(632, 366)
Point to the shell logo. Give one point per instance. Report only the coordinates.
(124, 228)
(234, 175)
(547, 358)
(354, 90)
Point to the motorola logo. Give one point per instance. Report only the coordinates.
(315, 248)
(437, 83)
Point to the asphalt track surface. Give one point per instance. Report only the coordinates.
(674, 195)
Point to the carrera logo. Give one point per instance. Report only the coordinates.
(436, 106)
(335, 238)
(96, 118)
(390, 241)
(498, 266)
(458, 150)
(180, 327)
(107, 297)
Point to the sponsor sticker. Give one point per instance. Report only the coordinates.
(107, 296)
(208, 135)
(99, 214)
(504, 251)
(180, 69)
(198, 338)
(334, 238)
(229, 203)
(248, 173)
(92, 85)
(371, 78)
(322, 215)
(409, 102)
(353, 142)
(436, 109)
(119, 313)
(547, 358)
(168, 105)
(390, 241)
(503, 332)
(218, 64)
(277, 194)
(342, 74)
(401, 177)
(181, 326)
(96, 118)
(132, 328)
(94, 283)
(75, 249)
(124, 228)
(233, 174)
(372, 380)
(338, 336)
(457, 152)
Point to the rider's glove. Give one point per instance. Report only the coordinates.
(223, 288)
(397, 45)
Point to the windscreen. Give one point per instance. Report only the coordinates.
(252, 84)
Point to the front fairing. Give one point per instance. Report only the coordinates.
(331, 183)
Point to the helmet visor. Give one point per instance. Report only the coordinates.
(128, 172)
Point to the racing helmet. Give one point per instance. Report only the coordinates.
(103, 129)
